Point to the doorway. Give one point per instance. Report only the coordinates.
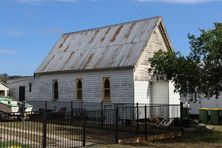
(2, 93)
(21, 93)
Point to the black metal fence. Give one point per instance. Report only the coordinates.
(71, 124)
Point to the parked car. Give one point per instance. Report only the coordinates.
(12, 109)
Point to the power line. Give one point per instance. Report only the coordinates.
(138, 8)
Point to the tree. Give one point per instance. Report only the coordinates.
(199, 73)
(3, 77)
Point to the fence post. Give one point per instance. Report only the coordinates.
(181, 117)
(101, 114)
(84, 128)
(137, 118)
(116, 128)
(44, 129)
(71, 113)
(145, 121)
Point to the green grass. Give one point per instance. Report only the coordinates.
(201, 138)
(203, 135)
(13, 144)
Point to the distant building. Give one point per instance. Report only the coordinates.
(21, 88)
(108, 64)
(4, 90)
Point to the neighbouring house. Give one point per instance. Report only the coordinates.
(21, 88)
(194, 106)
(4, 90)
(107, 64)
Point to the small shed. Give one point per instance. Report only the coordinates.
(4, 89)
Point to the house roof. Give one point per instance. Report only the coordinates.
(16, 80)
(115, 46)
(3, 84)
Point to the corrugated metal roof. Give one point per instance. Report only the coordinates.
(16, 80)
(113, 46)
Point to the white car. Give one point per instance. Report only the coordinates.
(9, 108)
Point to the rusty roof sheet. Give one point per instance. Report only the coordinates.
(113, 46)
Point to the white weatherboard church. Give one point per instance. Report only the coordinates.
(106, 64)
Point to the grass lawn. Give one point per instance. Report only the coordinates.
(201, 138)
(13, 144)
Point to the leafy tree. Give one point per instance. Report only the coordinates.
(3, 77)
(199, 73)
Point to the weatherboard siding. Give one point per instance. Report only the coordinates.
(14, 88)
(122, 90)
(155, 44)
(142, 92)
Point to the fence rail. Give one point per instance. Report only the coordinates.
(66, 124)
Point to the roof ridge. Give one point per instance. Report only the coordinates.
(106, 26)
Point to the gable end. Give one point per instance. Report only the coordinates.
(159, 40)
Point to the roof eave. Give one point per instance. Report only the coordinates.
(166, 36)
(84, 70)
(4, 84)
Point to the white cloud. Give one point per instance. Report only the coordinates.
(36, 1)
(12, 33)
(41, 2)
(179, 1)
(7, 52)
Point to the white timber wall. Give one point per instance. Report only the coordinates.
(14, 87)
(4, 88)
(160, 92)
(142, 92)
(122, 90)
(145, 90)
(121, 83)
(155, 44)
(141, 74)
(121, 86)
(174, 99)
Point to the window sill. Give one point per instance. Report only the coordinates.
(79, 100)
(106, 100)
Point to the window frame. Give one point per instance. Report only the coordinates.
(106, 98)
(79, 89)
(55, 90)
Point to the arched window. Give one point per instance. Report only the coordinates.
(106, 85)
(79, 88)
(55, 90)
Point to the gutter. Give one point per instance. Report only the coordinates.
(83, 70)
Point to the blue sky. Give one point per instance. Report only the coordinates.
(30, 28)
